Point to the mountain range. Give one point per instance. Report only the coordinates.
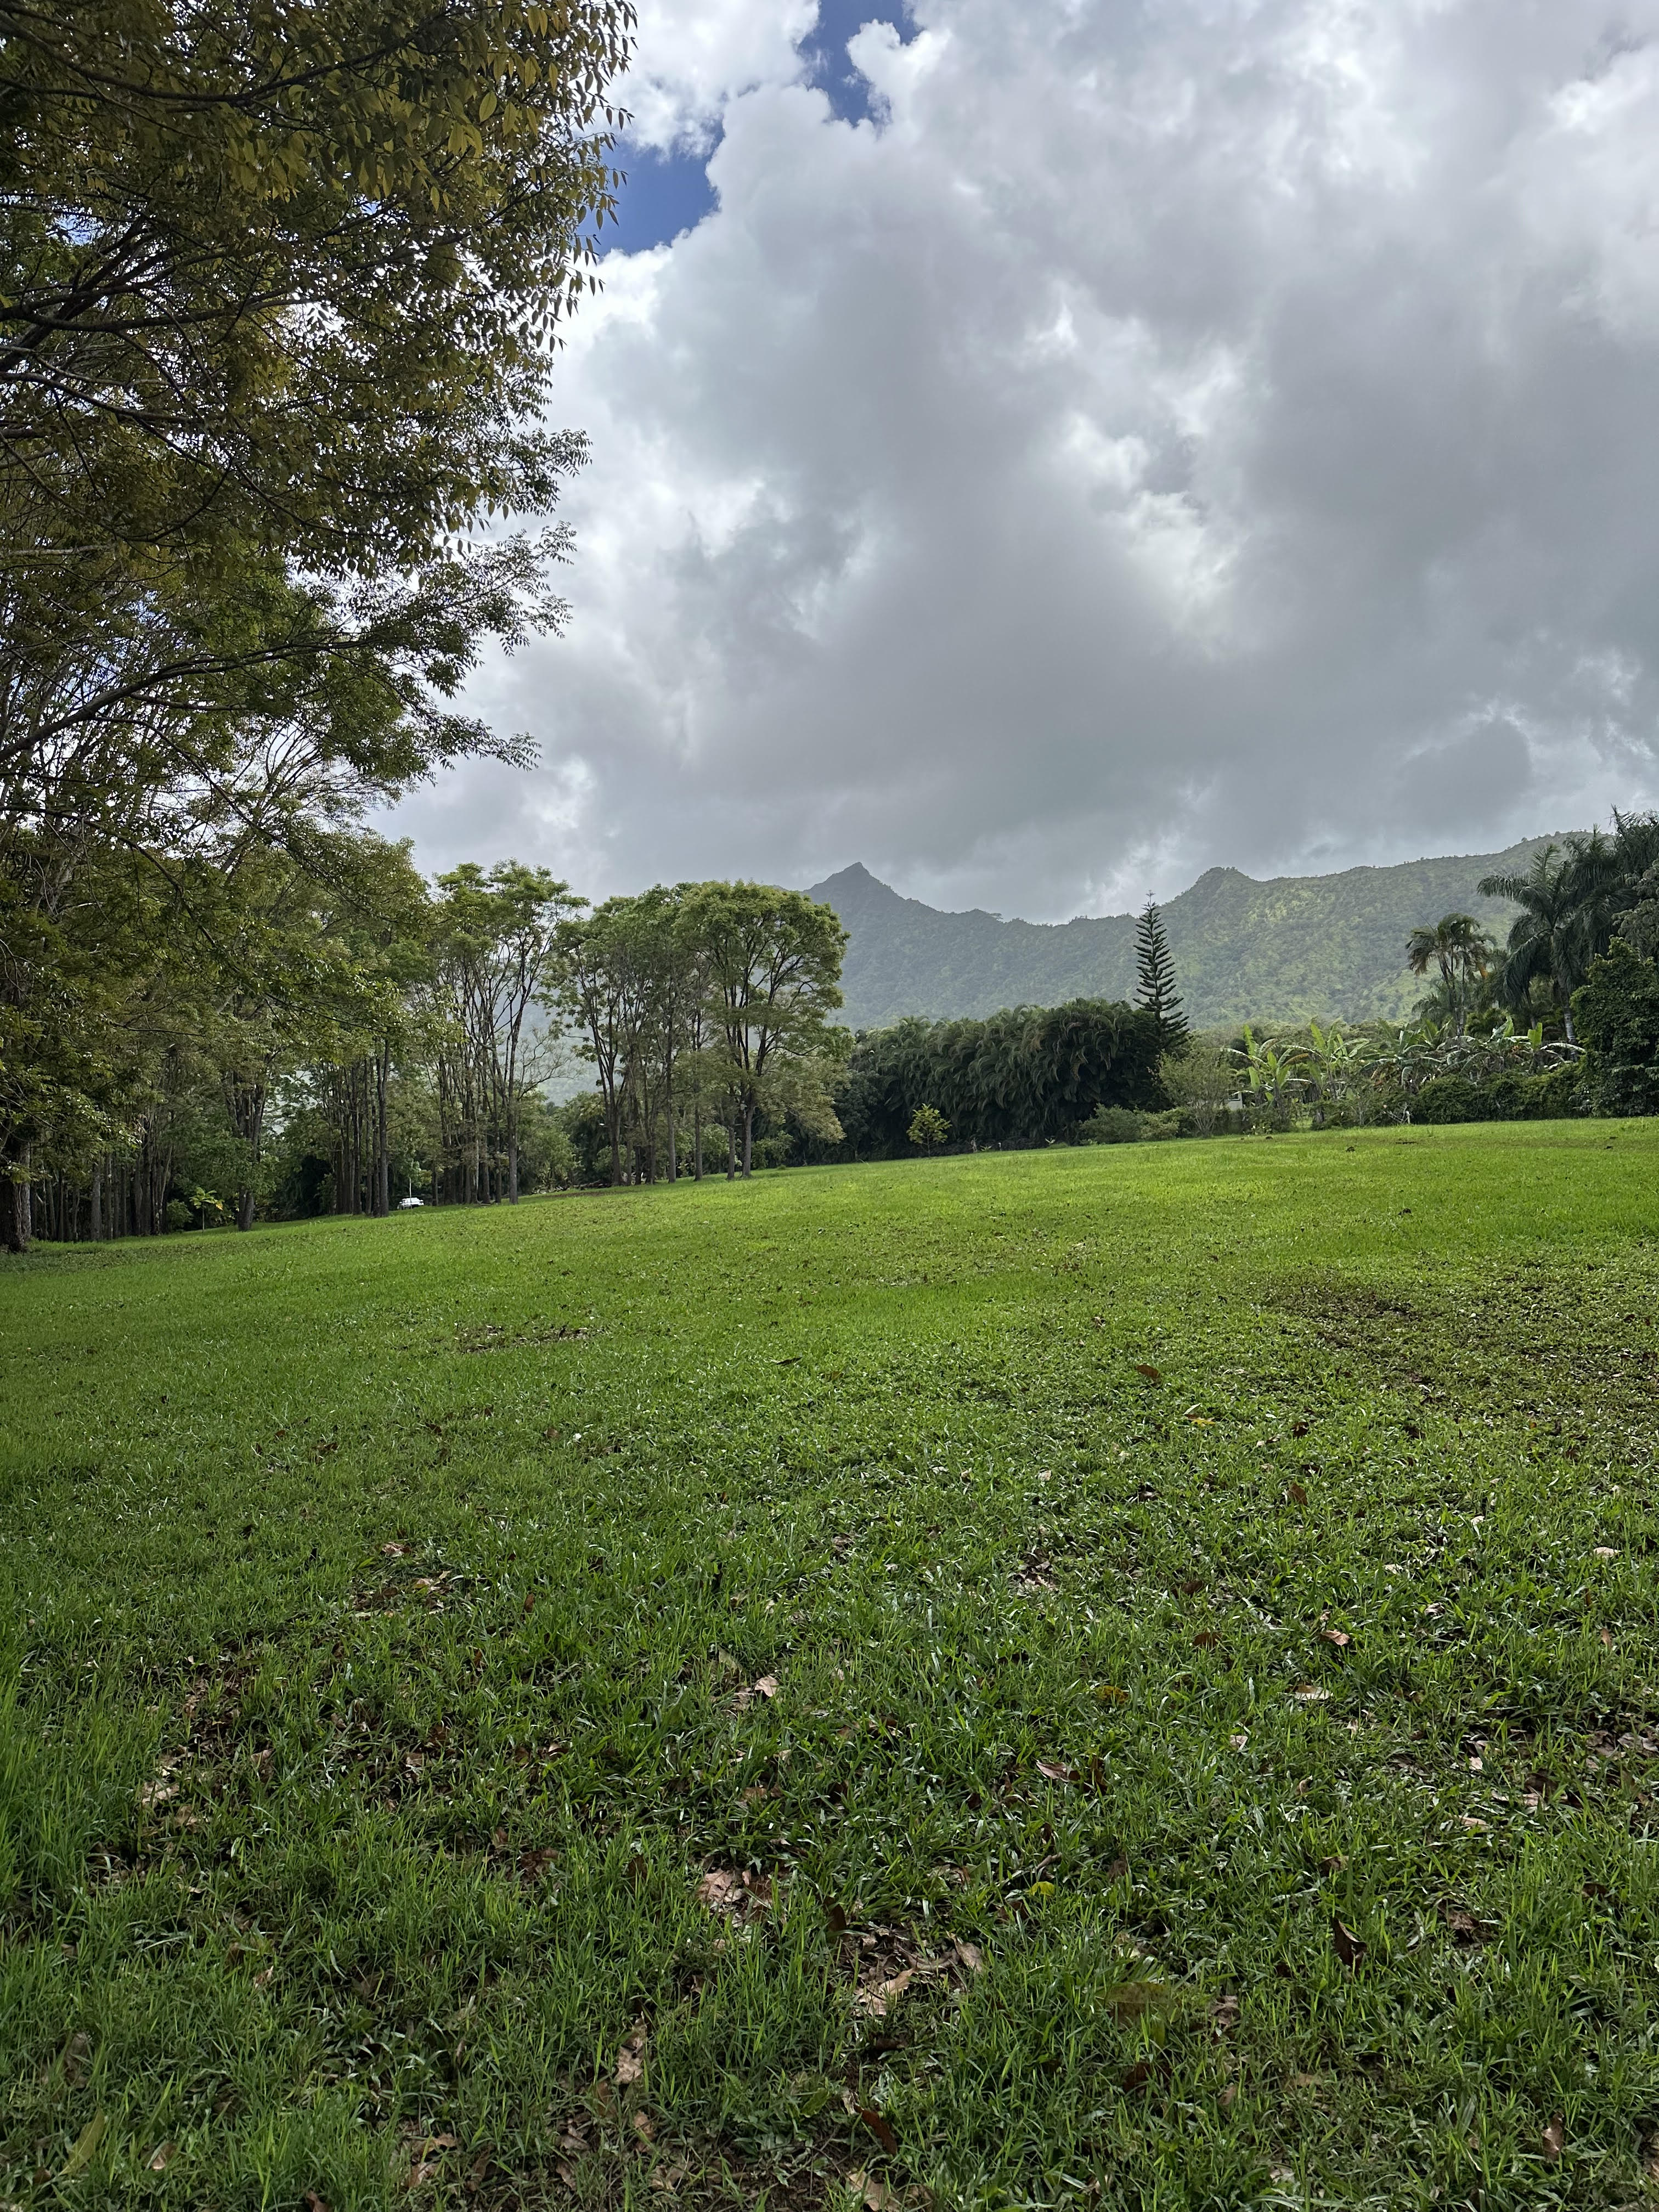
(1291, 949)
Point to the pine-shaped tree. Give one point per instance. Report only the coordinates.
(1155, 981)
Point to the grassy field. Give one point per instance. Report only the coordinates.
(1120, 1676)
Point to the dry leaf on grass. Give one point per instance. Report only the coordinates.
(721, 1890)
(162, 2157)
(1555, 2140)
(1348, 1946)
(1151, 1373)
(1239, 1742)
(1206, 1640)
(667, 2179)
(1309, 1693)
(877, 2000)
(1052, 1772)
(644, 2127)
(630, 2060)
(881, 2128)
(1606, 1551)
(314, 2203)
(971, 1956)
(1298, 1494)
(1335, 1636)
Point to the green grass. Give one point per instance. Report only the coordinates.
(384, 1607)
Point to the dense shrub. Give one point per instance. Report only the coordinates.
(1617, 1011)
(1028, 1076)
(1111, 1125)
(1507, 1097)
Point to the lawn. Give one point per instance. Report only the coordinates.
(1118, 1676)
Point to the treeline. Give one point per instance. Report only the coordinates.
(350, 1039)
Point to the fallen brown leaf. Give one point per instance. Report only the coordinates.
(971, 1956)
(876, 1999)
(314, 2203)
(644, 2127)
(162, 2157)
(1348, 1946)
(880, 2128)
(1206, 1640)
(1555, 2140)
(1298, 1495)
(720, 1890)
(1335, 1636)
(1309, 1693)
(630, 2060)
(1051, 1773)
(1152, 1374)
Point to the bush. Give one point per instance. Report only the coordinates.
(1617, 1011)
(1174, 1121)
(1111, 1125)
(178, 1215)
(928, 1129)
(1511, 1097)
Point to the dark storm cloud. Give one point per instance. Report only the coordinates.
(1160, 435)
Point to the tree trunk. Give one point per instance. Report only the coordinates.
(382, 1141)
(748, 1141)
(696, 1142)
(731, 1151)
(1566, 989)
(673, 1150)
(97, 1224)
(16, 1224)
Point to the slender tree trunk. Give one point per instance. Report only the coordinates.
(16, 1213)
(673, 1150)
(97, 1223)
(748, 1141)
(696, 1142)
(731, 1151)
(382, 1140)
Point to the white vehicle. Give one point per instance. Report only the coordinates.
(403, 1204)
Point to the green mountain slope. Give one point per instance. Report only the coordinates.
(1295, 949)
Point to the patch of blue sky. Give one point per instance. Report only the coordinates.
(824, 51)
(666, 194)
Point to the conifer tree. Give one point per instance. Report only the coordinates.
(1155, 981)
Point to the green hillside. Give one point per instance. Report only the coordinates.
(1294, 949)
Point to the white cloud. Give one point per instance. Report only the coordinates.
(1218, 432)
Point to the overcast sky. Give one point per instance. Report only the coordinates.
(1042, 449)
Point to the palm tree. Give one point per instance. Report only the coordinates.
(1460, 950)
(1565, 904)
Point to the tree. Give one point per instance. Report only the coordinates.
(1618, 1012)
(1155, 978)
(928, 1129)
(1552, 939)
(1462, 952)
(279, 292)
(774, 978)
(498, 933)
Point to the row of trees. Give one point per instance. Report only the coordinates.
(1564, 1016)
(395, 1032)
(1576, 900)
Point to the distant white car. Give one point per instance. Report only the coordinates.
(403, 1204)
